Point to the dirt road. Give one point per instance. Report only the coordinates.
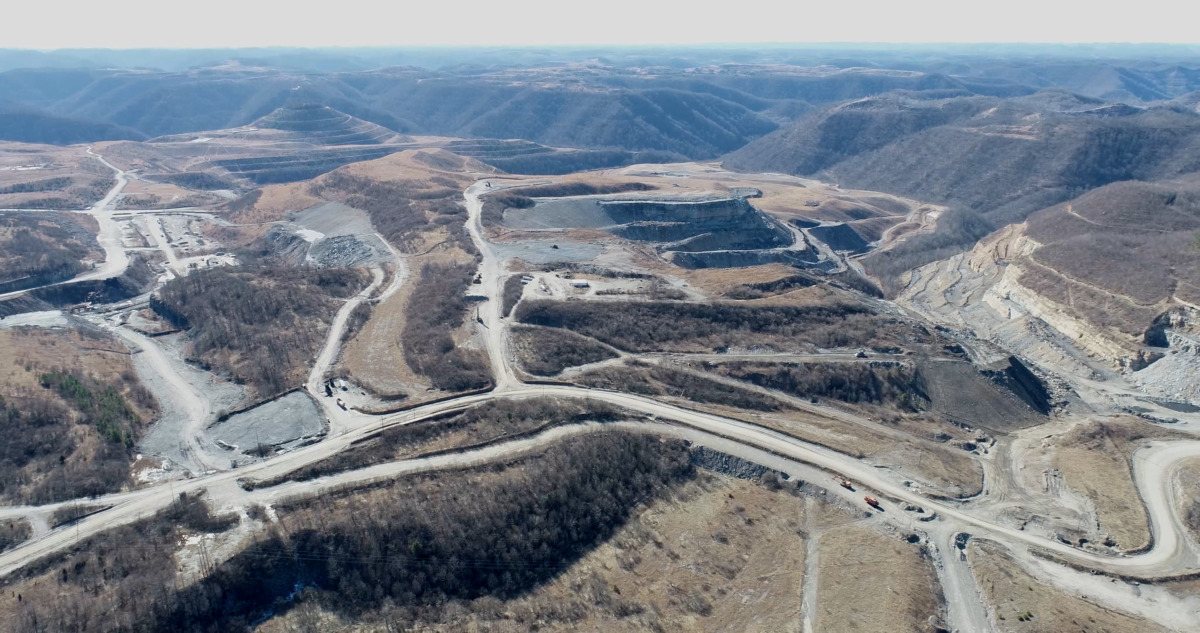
(109, 236)
(340, 419)
(491, 273)
(192, 402)
(1168, 555)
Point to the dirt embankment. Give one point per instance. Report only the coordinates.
(1189, 492)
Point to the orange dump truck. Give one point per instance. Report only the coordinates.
(871, 501)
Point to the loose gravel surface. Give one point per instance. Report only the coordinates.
(544, 252)
(291, 419)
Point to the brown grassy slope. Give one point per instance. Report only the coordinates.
(1095, 459)
(405, 194)
(1189, 490)
(50, 177)
(868, 581)
(54, 450)
(720, 554)
(1117, 256)
(414, 199)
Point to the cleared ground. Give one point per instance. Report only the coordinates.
(279, 423)
(50, 177)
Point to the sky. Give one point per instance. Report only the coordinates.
(50, 24)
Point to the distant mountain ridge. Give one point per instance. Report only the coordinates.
(992, 161)
(699, 113)
(1003, 158)
(30, 126)
(697, 103)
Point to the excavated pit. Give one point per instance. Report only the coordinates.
(701, 232)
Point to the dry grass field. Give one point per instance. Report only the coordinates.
(872, 582)
(417, 169)
(146, 194)
(428, 229)
(375, 357)
(50, 177)
(1188, 490)
(24, 352)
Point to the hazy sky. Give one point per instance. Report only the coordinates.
(231, 23)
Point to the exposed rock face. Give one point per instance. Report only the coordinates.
(1171, 368)
(987, 291)
(284, 245)
(1025, 384)
(982, 290)
(727, 464)
(709, 231)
